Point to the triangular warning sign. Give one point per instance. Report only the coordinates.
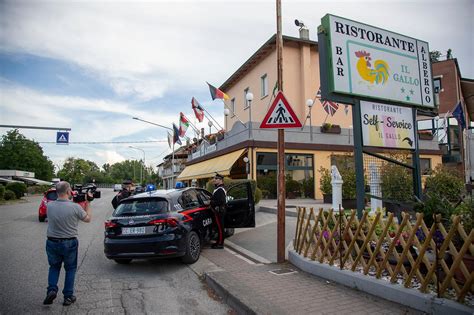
(280, 114)
(62, 138)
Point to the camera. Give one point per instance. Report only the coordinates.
(80, 193)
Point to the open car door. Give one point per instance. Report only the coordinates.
(240, 208)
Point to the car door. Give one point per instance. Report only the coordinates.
(240, 208)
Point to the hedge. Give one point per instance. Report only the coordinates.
(2, 191)
(18, 188)
(9, 195)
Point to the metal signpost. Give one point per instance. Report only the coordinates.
(361, 63)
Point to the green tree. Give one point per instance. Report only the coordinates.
(434, 55)
(78, 171)
(19, 153)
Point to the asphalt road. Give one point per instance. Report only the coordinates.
(102, 286)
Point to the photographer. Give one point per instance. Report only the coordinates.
(62, 244)
(126, 192)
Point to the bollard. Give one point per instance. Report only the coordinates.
(336, 181)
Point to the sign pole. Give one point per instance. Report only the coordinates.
(416, 159)
(281, 147)
(358, 158)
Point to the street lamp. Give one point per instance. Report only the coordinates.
(226, 113)
(309, 103)
(209, 123)
(249, 98)
(172, 157)
(144, 163)
(247, 166)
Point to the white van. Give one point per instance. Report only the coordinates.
(117, 187)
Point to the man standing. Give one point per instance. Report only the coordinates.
(218, 202)
(126, 192)
(62, 244)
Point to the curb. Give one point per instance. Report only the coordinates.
(228, 298)
(275, 211)
(392, 292)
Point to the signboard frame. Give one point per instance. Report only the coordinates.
(332, 93)
(59, 136)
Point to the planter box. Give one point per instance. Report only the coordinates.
(335, 129)
(425, 136)
(327, 198)
(349, 203)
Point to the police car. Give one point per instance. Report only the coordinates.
(172, 223)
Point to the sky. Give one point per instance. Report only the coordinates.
(93, 65)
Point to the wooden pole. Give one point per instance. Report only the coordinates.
(281, 147)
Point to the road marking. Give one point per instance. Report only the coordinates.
(258, 260)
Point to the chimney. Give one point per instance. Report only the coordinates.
(304, 33)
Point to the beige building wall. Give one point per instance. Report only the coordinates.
(300, 82)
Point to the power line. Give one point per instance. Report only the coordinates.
(104, 142)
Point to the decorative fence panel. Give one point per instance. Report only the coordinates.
(428, 258)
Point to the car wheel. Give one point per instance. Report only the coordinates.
(122, 261)
(41, 218)
(193, 248)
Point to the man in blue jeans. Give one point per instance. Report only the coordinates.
(61, 245)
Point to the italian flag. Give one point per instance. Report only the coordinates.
(183, 124)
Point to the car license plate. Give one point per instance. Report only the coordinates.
(133, 230)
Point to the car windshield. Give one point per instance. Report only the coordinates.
(52, 195)
(142, 206)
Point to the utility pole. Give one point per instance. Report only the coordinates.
(281, 148)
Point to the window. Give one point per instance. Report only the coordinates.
(425, 166)
(246, 103)
(136, 207)
(232, 107)
(189, 199)
(437, 85)
(264, 85)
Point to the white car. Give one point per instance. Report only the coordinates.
(117, 187)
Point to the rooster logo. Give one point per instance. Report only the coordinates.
(378, 74)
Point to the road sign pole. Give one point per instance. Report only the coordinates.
(281, 148)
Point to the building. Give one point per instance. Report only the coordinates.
(169, 171)
(306, 149)
(9, 176)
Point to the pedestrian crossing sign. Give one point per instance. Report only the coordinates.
(62, 137)
(280, 115)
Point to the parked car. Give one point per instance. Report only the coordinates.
(117, 187)
(172, 223)
(48, 196)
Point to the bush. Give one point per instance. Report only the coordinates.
(466, 211)
(268, 185)
(349, 182)
(18, 188)
(292, 187)
(397, 182)
(9, 195)
(308, 187)
(446, 182)
(38, 189)
(2, 191)
(325, 181)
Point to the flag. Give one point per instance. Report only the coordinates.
(445, 123)
(216, 93)
(176, 135)
(459, 115)
(170, 140)
(183, 124)
(198, 110)
(318, 93)
(330, 107)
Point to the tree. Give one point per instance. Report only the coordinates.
(79, 171)
(19, 153)
(434, 55)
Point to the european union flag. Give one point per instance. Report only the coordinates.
(459, 115)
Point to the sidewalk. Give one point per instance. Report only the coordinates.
(251, 288)
(271, 205)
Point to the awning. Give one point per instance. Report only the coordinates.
(208, 168)
(6, 180)
(34, 180)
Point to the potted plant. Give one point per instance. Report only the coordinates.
(212, 139)
(330, 128)
(293, 188)
(348, 175)
(325, 184)
(220, 135)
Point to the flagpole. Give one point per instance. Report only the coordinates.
(212, 119)
(172, 167)
(195, 128)
(233, 113)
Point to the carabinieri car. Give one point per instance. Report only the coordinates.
(172, 223)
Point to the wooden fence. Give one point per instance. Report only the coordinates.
(430, 259)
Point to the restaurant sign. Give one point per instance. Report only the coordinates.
(370, 62)
(387, 126)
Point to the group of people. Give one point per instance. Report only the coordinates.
(63, 220)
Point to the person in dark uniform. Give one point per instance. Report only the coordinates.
(126, 192)
(218, 202)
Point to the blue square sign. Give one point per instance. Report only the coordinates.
(62, 137)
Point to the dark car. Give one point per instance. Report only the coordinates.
(48, 196)
(172, 223)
